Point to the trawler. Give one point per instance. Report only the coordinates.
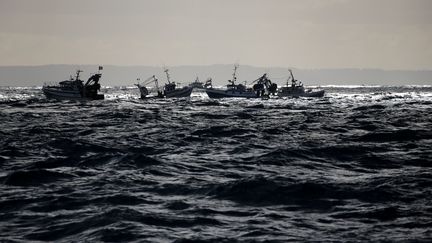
(296, 89)
(145, 92)
(75, 89)
(169, 89)
(262, 88)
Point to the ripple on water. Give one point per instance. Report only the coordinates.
(352, 166)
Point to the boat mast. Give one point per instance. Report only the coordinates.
(292, 75)
(156, 83)
(292, 78)
(77, 74)
(167, 74)
(234, 79)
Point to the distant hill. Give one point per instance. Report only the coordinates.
(220, 73)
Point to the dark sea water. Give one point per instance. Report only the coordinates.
(355, 165)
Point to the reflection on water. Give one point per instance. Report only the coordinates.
(353, 165)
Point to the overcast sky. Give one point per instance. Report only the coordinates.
(385, 34)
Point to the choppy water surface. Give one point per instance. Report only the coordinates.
(354, 165)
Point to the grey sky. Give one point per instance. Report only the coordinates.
(388, 34)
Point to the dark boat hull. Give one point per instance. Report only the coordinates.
(58, 94)
(218, 94)
(179, 93)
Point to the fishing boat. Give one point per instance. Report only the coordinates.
(296, 89)
(75, 89)
(144, 92)
(232, 89)
(262, 88)
(169, 90)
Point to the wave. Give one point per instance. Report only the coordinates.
(35, 177)
(402, 135)
(115, 220)
(200, 169)
(221, 131)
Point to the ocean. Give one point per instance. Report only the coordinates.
(355, 165)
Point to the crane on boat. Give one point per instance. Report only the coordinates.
(143, 90)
